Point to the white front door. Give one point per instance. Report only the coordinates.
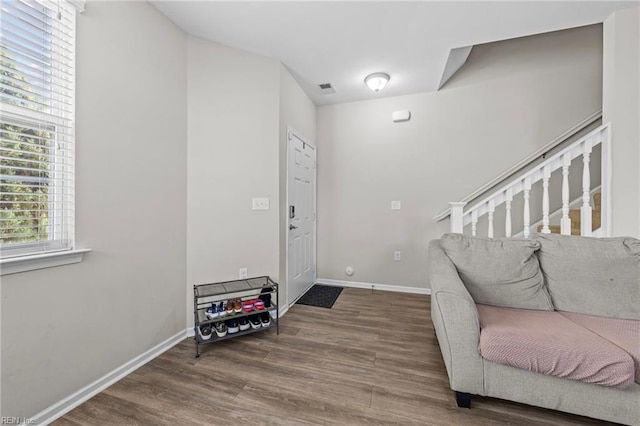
(301, 213)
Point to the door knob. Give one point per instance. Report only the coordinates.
(292, 227)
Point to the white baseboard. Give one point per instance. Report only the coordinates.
(62, 407)
(283, 310)
(375, 286)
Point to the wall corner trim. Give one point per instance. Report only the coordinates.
(67, 404)
(374, 286)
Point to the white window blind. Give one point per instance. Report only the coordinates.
(37, 83)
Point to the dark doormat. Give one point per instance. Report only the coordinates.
(322, 296)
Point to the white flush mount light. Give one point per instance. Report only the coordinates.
(376, 81)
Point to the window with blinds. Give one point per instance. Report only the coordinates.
(37, 83)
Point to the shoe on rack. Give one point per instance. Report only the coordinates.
(255, 322)
(229, 308)
(221, 309)
(258, 304)
(266, 297)
(237, 305)
(244, 323)
(221, 329)
(265, 319)
(204, 331)
(247, 306)
(212, 311)
(232, 326)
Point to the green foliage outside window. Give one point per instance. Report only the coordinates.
(25, 155)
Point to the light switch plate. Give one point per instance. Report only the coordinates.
(395, 205)
(243, 273)
(260, 204)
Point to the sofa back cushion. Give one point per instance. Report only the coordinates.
(499, 272)
(593, 276)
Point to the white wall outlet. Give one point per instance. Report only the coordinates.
(243, 273)
(397, 255)
(395, 205)
(260, 204)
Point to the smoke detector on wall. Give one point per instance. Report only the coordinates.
(400, 116)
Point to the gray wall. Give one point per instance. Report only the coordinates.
(233, 157)
(510, 99)
(240, 105)
(621, 106)
(298, 112)
(64, 327)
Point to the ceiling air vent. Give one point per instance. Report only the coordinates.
(326, 88)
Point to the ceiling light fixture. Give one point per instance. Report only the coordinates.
(377, 81)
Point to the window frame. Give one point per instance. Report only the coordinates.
(59, 248)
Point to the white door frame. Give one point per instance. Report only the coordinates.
(291, 133)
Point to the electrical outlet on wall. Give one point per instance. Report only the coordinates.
(396, 205)
(397, 255)
(243, 273)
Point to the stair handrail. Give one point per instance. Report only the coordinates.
(535, 156)
(461, 217)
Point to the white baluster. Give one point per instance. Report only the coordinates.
(546, 174)
(492, 209)
(474, 222)
(585, 211)
(565, 222)
(527, 212)
(605, 173)
(507, 220)
(457, 217)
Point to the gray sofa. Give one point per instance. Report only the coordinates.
(457, 324)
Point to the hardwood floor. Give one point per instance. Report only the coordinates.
(371, 359)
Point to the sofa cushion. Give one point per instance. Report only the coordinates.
(593, 276)
(499, 272)
(548, 343)
(623, 333)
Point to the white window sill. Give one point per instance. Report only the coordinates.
(14, 265)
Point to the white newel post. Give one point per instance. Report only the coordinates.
(457, 221)
(605, 173)
(585, 211)
(565, 222)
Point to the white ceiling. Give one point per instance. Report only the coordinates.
(341, 42)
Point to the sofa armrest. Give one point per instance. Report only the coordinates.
(455, 319)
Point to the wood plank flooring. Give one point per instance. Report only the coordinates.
(373, 359)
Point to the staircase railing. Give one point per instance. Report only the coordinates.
(461, 217)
